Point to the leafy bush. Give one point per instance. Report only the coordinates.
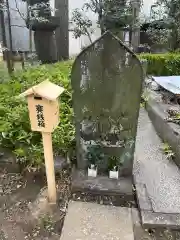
(162, 64)
(15, 132)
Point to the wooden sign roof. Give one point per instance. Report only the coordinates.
(45, 89)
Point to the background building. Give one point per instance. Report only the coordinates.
(20, 34)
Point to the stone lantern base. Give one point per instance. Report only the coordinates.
(44, 39)
(45, 44)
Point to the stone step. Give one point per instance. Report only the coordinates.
(157, 179)
(98, 189)
(89, 221)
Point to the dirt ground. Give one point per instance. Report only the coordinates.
(24, 209)
(26, 215)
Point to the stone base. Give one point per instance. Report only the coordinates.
(120, 191)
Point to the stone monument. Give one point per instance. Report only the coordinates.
(107, 82)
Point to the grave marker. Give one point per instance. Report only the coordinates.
(107, 81)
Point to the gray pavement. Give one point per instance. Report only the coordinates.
(160, 175)
(90, 221)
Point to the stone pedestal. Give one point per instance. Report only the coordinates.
(102, 189)
(46, 49)
(44, 36)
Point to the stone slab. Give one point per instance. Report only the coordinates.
(149, 218)
(90, 221)
(143, 233)
(160, 220)
(168, 132)
(160, 176)
(101, 184)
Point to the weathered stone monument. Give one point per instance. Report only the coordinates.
(106, 80)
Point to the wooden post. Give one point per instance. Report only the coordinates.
(49, 163)
(43, 108)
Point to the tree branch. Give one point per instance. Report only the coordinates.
(21, 15)
(18, 26)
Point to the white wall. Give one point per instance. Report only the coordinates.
(20, 33)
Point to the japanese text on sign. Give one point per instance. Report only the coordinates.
(40, 115)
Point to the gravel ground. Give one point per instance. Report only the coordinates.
(24, 210)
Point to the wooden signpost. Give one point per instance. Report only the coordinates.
(43, 108)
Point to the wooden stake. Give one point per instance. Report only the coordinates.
(49, 162)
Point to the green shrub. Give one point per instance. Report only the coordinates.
(162, 64)
(15, 132)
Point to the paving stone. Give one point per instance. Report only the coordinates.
(152, 168)
(162, 220)
(90, 221)
(151, 219)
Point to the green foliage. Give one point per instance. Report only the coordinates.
(173, 116)
(171, 9)
(117, 14)
(159, 36)
(164, 28)
(114, 162)
(15, 132)
(111, 15)
(95, 154)
(81, 25)
(144, 98)
(162, 64)
(168, 151)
